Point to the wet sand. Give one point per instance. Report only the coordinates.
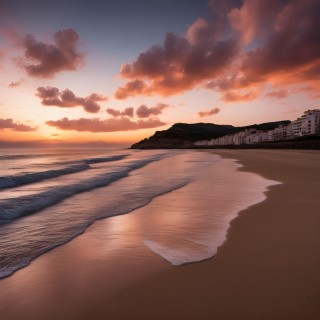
(267, 269)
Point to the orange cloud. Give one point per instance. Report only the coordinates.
(208, 113)
(45, 60)
(108, 125)
(15, 126)
(52, 96)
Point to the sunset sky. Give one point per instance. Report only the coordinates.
(115, 71)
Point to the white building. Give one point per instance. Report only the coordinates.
(280, 134)
(307, 124)
(260, 137)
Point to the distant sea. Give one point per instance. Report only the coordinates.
(48, 197)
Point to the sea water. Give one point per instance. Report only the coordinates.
(179, 203)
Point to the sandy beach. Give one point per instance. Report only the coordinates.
(267, 269)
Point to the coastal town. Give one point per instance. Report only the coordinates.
(306, 125)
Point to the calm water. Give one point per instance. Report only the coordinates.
(186, 199)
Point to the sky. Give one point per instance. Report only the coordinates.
(113, 72)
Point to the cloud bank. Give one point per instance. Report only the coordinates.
(52, 96)
(108, 125)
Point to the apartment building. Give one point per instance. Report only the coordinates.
(307, 124)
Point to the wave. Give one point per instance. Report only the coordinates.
(9, 266)
(107, 159)
(14, 208)
(21, 179)
(18, 180)
(14, 260)
(24, 156)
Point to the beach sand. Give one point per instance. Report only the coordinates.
(267, 269)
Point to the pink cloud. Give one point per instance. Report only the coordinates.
(200, 32)
(15, 126)
(144, 111)
(52, 96)
(253, 18)
(292, 46)
(116, 113)
(238, 96)
(178, 64)
(208, 113)
(108, 125)
(279, 94)
(45, 60)
(131, 88)
(14, 84)
(237, 51)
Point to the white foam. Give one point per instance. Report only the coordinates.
(14, 208)
(190, 225)
(181, 255)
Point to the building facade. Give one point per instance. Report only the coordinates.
(308, 124)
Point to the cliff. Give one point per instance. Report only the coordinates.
(183, 135)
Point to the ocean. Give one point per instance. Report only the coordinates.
(186, 200)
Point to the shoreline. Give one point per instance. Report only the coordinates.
(266, 269)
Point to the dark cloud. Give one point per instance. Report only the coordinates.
(15, 126)
(290, 47)
(144, 111)
(52, 96)
(208, 113)
(45, 60)
(116, 113)
(179, 64)
(241, 48)
(108, 125)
